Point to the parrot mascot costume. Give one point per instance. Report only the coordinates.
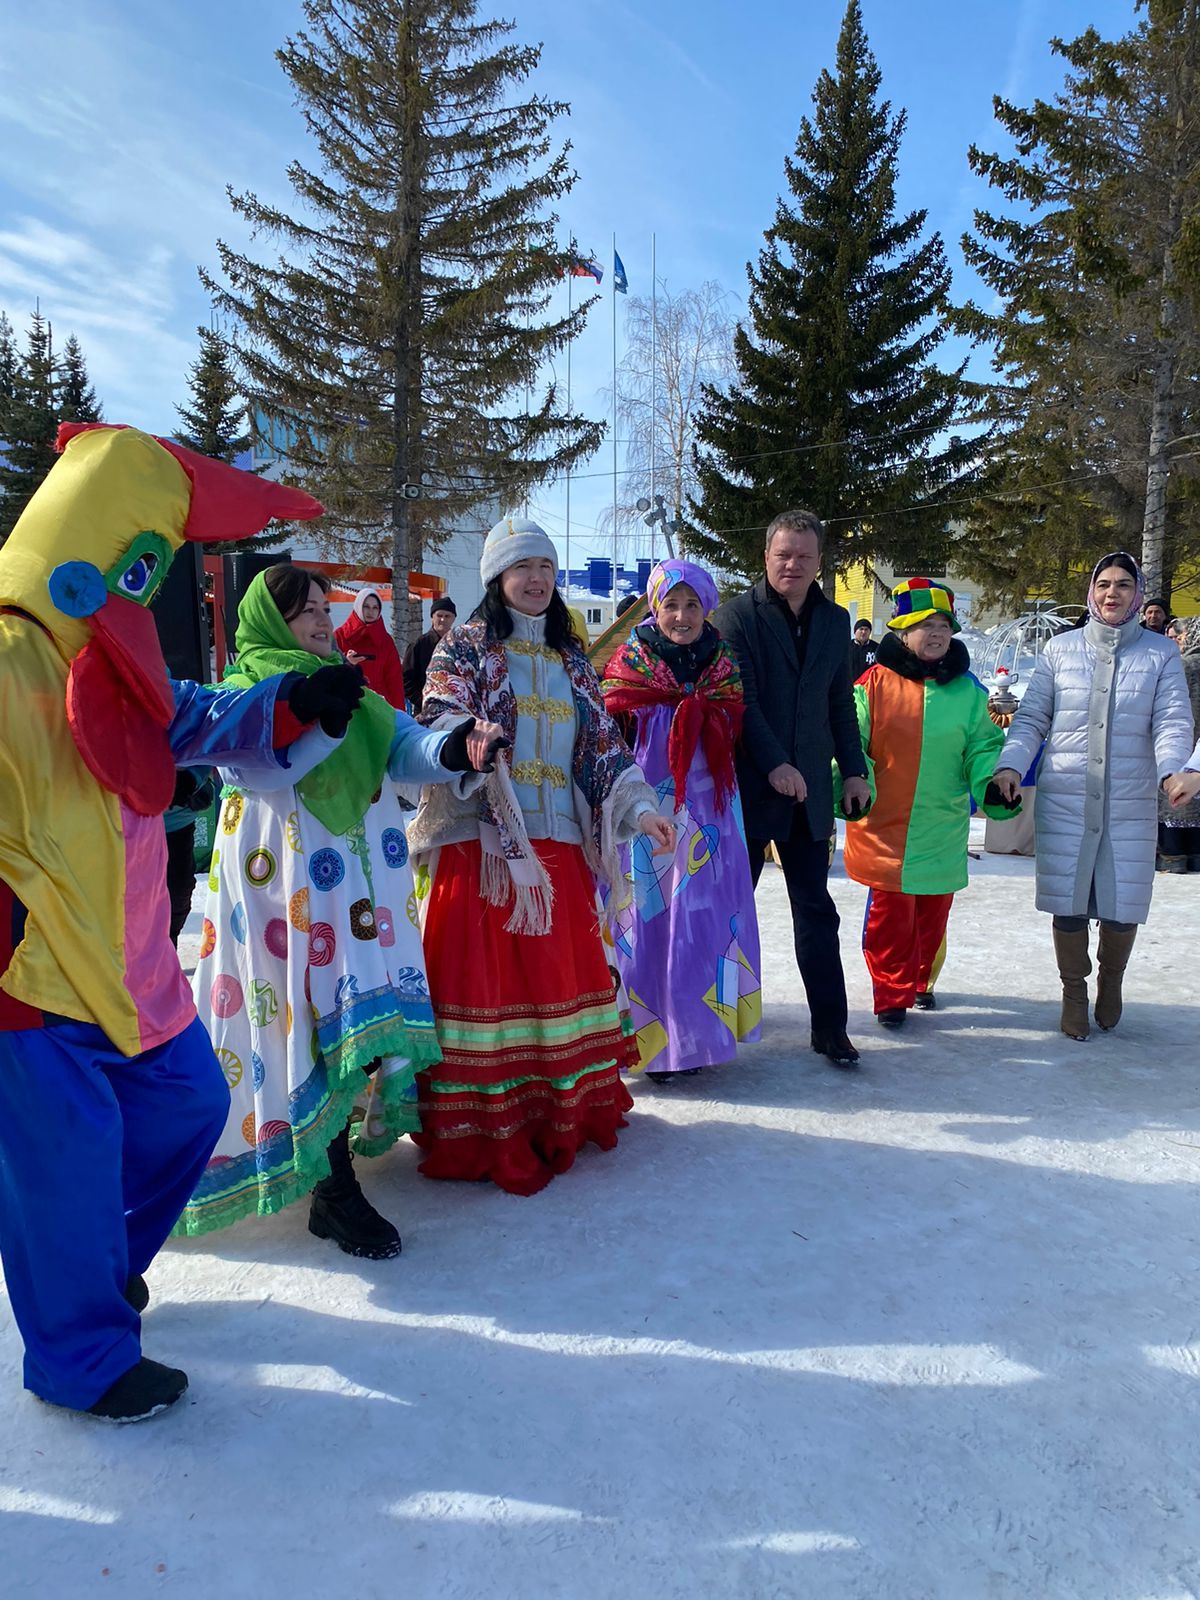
(111, 1097)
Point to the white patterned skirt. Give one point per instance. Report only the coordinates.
(310, 973)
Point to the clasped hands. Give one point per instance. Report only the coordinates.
(786, 780)
(1179, 788)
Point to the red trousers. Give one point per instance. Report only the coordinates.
(902, 935)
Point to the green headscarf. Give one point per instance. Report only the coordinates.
(338, 791)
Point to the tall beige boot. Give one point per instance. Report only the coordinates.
(1111, 959)
(1071, 952)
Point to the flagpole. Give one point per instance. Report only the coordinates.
(570, 296)
(614, 526)
(653, 374)
(526, 511)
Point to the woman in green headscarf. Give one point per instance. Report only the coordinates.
(311, 974)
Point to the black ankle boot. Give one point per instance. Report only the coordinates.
(143, 1392)
(341, 1211)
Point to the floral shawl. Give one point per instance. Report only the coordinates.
(707, 712)
(468, 676)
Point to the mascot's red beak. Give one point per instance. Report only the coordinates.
(119, 699)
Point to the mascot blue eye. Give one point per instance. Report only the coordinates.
(139, 575)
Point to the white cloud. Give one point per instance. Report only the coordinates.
(112, 173)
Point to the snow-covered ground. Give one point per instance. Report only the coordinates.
(925, 1330)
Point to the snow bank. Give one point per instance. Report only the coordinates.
(924, 1330)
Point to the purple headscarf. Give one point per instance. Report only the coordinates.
(1122, 559)
(675, 570)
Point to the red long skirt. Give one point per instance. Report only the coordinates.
(532, 1044)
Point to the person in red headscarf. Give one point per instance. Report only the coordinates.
(687, 944)
(366, 643)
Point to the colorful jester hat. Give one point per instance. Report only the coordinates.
(86, 558)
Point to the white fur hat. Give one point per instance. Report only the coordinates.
(512, 540)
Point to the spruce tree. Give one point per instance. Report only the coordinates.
(76, 398)
(215, 421)
(31, 425)
(1096, 345)
(9, 364)
(836, 405)
(389, 342)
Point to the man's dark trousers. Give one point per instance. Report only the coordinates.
(815, 921)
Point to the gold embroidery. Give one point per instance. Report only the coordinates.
(535, 773)
(525, 647)
(533, 705)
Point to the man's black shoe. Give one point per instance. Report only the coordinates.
(891, 1019)
(925, 1001)
(836, 1047)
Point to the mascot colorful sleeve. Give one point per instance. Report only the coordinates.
(110, 1095)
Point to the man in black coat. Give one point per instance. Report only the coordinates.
(443, 614)
(790, 642)
(862, 649)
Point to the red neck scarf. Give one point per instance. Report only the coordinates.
(708, 712)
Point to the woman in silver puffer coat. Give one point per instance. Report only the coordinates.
(1111, 702)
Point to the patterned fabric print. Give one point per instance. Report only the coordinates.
(532, 1048)
(313, 970)
(687, 948)
(469, 674)
(707, 713)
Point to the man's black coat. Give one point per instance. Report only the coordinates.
(805, 719)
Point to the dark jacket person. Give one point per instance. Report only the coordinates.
(443, 614)
(863, 650)
(790, 642)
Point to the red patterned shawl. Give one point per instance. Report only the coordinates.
(708, 712)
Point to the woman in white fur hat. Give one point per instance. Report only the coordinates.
(531, 1038)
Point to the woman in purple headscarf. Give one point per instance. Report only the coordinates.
(687, 945)
(1111, 701)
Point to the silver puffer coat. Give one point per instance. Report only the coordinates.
(1112, 705)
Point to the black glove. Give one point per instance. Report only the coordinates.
(453, 755)
(993, 797)
(853, 811)
(329, 697)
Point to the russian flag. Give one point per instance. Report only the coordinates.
(582, 267)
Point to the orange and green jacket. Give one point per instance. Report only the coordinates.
(931, 747)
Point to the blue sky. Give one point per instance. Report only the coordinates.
(121, 124)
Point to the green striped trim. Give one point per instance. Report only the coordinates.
(493, 1035)
(446, 1086)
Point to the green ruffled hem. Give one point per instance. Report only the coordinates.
(391, 1038)
(310, 1163)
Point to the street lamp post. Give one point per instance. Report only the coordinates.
(653, 518)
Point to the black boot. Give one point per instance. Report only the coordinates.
(341, 1211)
(835, 1046)
(143, 1392)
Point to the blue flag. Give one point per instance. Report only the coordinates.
(620, 281)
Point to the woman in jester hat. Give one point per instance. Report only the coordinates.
(687, 946)
(931, 746)
(310, 973)
(532, 1043)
